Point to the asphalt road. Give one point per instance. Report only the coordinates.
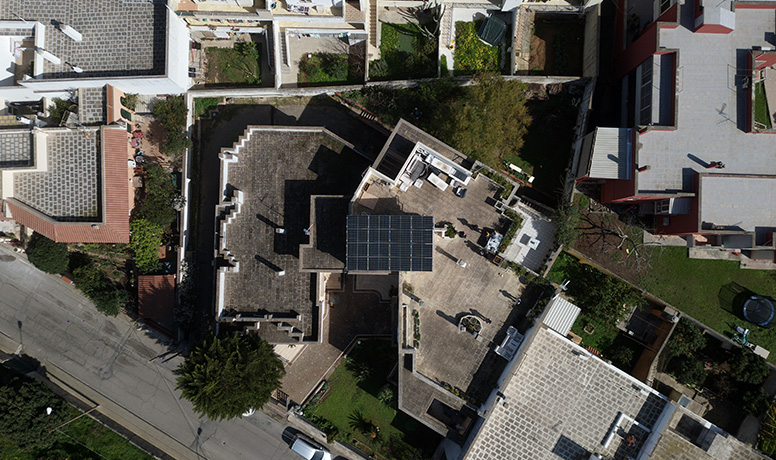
(107, 359)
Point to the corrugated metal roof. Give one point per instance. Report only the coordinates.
(611, 154)
(561, 315)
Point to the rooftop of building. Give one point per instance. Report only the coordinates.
(562, 402)
(277, 171)
(120, 37)
(16, 148)
(81, 195)
(712, 106)
(738, 203)
(70, 188)
(155, 296)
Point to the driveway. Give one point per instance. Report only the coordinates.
(107, 360)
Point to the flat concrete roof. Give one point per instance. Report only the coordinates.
(711, 106)
(279, 171)
(733, 202)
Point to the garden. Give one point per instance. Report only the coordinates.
(762, 116)
(358, 406)
(731, 379)
(557, 45)
(710, 291)
(604, 301)
(322, 69)
(28, 433)
(239, 65)
(470, 119)
(406, 52)
(471, 55)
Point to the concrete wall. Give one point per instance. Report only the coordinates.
(590, 46)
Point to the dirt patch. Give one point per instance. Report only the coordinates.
(557, 45)
(612, 243)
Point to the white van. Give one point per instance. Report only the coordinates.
(309, 449)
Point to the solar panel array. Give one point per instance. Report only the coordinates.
(390, 243)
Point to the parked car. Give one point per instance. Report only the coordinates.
(309, 449)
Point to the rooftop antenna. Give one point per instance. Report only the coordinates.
(67, 30)
(75, 68)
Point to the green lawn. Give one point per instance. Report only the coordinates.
(240, 65)
(761, 113)
(711, 291)
(471, 55)
(82, 439)
(348, 396)
(404, 53)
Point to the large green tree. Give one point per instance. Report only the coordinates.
(601, 295)
(23, 417)
(157, 203)
(145, 241)
(488, 121)
(686, 339)
(224, 376)
(47, 255)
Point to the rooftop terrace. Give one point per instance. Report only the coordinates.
(711, 106)
(120, 37)
(278, 170)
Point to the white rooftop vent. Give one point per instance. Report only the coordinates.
(48, 56)
(69, 31)
(281, 272)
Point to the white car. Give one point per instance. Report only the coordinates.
(309, 449)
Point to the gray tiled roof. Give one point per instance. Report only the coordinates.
(70, 189)
(120, 37)
(91, 105)
(562, 403)
(16, 148)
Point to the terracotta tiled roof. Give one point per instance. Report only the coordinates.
(115, 225)
(156, 296)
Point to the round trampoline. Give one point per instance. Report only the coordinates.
(759, 310)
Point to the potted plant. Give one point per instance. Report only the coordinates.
(470, 324)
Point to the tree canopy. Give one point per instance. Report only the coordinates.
(157, 204)
(686, 339)
(23, 418)
(747, 367)
(145, 241)
(107, 298)
(488, 121)
(47, 255)
(600, 295)
(224, 376)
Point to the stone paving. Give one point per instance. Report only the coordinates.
(16, 148)
(120, 37)
(71, 188)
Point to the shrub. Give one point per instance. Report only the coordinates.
(156, 205)
(145, 241)
(746, 367)
(175, 143)
(46, 255)
(514, 227)
(325, 67)
(450, 232)
(472, 55)
(129, 101)
(689, 370)
(171, 112)
(444, 70)
(106, 297)
(387, 396)
(204, 104)
(755, 401)
(686, 339)
(767, 436)
(567, 218)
